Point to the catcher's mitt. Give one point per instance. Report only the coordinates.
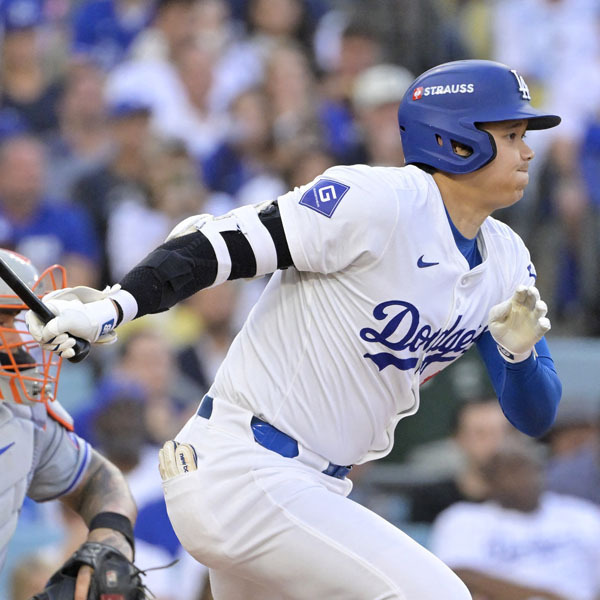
(114, 576)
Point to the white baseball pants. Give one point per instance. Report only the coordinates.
(273, 528)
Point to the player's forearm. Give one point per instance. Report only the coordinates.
(172, 272)
(104, 489)
(529, 392)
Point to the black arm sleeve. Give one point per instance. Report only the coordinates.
(182, 266)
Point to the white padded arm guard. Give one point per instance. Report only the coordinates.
(519, 323)
(187, 226)
(245, 220)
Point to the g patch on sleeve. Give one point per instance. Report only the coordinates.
(324, 196)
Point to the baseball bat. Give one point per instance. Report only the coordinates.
(18, 286)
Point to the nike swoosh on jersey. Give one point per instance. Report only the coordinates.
(422, 264)
(3, 450)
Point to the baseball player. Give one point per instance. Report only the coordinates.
(383, 276)
(42, 458)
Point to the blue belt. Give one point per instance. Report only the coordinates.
(271, 438)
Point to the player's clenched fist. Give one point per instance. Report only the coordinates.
(80, 312)
(519, 323)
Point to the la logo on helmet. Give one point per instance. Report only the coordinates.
(522, 85)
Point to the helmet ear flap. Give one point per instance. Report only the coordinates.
(492, 144)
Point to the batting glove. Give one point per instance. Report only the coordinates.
(80, 311)
(519, 323)
(175, 459)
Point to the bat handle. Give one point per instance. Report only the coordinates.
(82, 349)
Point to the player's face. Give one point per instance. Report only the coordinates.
(11, 342)
(7, 323)
(503, 181)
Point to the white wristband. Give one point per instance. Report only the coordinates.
(127, 303)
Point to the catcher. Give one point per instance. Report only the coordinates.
(41, 457)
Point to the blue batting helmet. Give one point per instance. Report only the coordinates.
(445, 104)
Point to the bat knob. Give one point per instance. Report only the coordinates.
(82, 349)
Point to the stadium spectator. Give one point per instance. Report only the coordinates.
(354, 49)
(196, 123)
(216, 310)
(82, 141)
(237, 68)
(577, 424)
(248, 151)
(413, 33)
(146, 361)
(173, 24)
(524, 542)
(121, 177)
(376, 94)
(308, 164)
(271, 23)
(589, 155)
(173, 191)
(479, 430)
(103, 30)
(35, 225)
(28, 85)
(577, 471)
(357, 49)
(179, 91)
(291, 89)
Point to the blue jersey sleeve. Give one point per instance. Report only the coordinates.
(529, 392)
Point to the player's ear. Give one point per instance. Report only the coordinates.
(461, 149)
(457, 147)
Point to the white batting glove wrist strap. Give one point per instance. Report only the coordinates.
(513, 358)
(127, 303)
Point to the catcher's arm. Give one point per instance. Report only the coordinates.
(102, 490)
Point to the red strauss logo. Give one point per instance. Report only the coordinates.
(418, 93)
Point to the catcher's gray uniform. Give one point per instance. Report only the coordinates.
(39, 458)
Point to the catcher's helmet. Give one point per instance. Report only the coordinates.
(27, 373)
(445, 105)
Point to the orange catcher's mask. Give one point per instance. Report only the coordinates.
(27, 373)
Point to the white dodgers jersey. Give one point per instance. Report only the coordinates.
(380, 300)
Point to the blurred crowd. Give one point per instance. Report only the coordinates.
(120, 117)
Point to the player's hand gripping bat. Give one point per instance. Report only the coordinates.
(82, 347)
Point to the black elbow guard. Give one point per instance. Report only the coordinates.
(172, 272)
